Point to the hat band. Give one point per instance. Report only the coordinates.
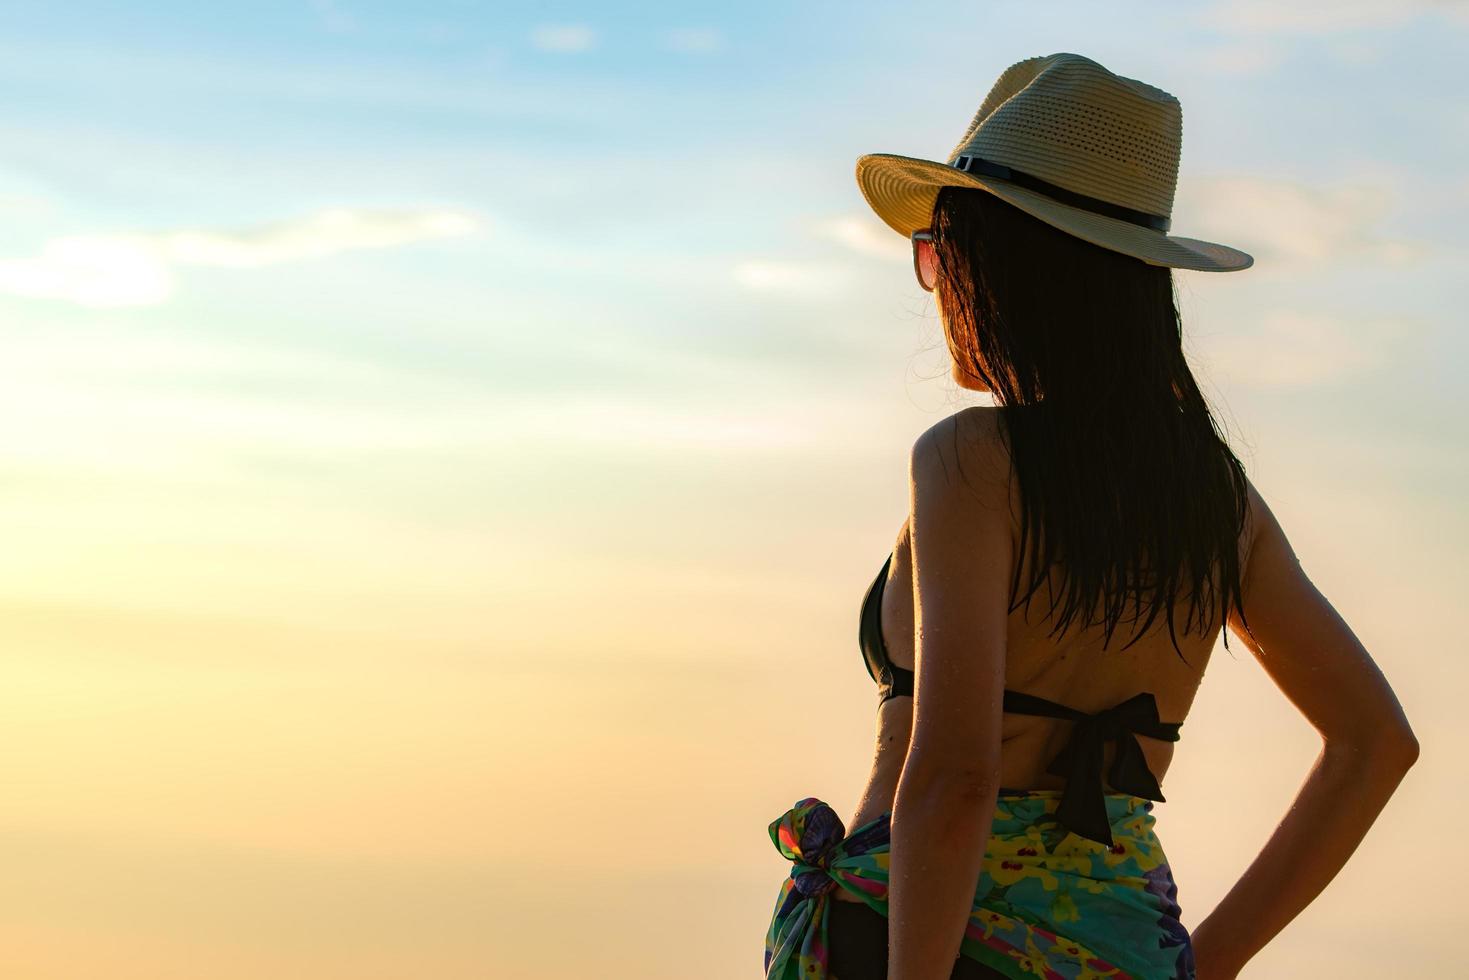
(979, 165)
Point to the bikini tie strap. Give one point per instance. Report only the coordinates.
(1083, 807)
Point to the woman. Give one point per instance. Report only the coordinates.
(1007, 828)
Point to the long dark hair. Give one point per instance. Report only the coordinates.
(1126, 481)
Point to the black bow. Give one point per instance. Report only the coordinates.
(1083, 807)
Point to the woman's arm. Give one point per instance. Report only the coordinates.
(945, 802)
(1316, 660)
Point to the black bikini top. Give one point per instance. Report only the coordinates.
(1083, 809)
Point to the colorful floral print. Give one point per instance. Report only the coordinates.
(1048, 903)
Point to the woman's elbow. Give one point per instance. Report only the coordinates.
(1390, 747)
(1402, 748)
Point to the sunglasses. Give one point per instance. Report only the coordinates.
(925, 259)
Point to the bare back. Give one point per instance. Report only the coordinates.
(1073, 670)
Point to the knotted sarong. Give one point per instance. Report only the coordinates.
(1048, 903)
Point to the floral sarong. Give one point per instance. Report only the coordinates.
(1048, 904)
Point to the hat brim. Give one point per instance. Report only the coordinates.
(902, 190)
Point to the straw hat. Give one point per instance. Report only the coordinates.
(1065, 140)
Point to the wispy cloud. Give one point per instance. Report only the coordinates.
(1239, 57)
(563, 37)
(92, 270)
(692, 39)
(1291, 348)
(1293, 222)
(862, 234)
(68, 391)
(799, 278)
(323, 233)
(137, 269)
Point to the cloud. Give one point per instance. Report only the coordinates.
(1291, 222)
(70, 389)
(92, 270)
(137, 269)
(1238, 58)
(780, 276)
(563, 37)
(1322, 16)
(692, 39)
(863, 234)
(1289, 348)
(323, 233)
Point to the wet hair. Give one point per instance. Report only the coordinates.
(1126, 481)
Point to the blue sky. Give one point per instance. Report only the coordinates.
(359, 357)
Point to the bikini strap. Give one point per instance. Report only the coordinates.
(1083, 807)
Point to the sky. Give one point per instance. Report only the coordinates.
(445, 446)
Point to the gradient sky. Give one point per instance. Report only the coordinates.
(445, 447)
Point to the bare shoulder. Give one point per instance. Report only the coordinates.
(965, 454)
(1261, 533)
